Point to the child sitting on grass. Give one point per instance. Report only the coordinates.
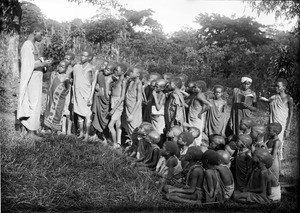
(211, 183)
(153, 153)
(259, 184)
(172, 175)
(243, 161)
(226, 177)
(57, 104)
(192, 191)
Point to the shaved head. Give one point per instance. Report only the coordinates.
(245, 139)
(224, 156)
(154, 137)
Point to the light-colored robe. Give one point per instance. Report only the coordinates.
(195, 121)
(82, 89)
(30, 91)
(279, 113)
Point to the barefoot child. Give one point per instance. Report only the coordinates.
(117, 104)
(58, 99)
(198, 106)
(69, 114)
(226, 177)
(133, 101)
(158, 106)
(216, 115)
(273, 143)
(211, 183)
(175, 105)
(192, 192)
(243, 161)
(259, 184)
(154, 153)
(172, 175)
(99, 98)
(83, 78)
(281, 110)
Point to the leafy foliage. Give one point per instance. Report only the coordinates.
(10, 16)
(56, 49)
(31, 15)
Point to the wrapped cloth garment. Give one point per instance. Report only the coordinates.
(215, 120)
(158, 119)
(30, 91)
(57, 104)
(195, 121)
(100, 105)
(82, 89)
(130, 101)
(279, 112)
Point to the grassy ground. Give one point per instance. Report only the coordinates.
(65, 174)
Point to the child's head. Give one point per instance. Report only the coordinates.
(257, 131)
(169, 148)
(280, 85)
(216, 141)
(176, 83)
(210, 157)
(86, 56)
(263, 156)
(135, 72)
(190, 87)
(185, 139)
(224, 156)
(168, 76)
(69, 57)
(154, 76)
(62, 67)
(120, 69)
(183, 77)
(274, 129)
(246, 123)
(144, 129)
(246, 82)
(154, 137)
(218, 91)
(194, 153)
(174, 132)
(194, 131)
(244, 141)
(160, 84)
(109, 69)
(200, 86)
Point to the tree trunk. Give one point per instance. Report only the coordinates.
(12, 80)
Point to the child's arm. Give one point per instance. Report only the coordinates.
(158, 104)
(209, 182)
(290, 115)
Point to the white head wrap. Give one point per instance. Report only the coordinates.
(244, 79)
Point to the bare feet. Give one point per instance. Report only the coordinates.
(86, 138)
(69, 133)
(80, 136)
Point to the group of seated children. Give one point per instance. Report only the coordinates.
(242, 167)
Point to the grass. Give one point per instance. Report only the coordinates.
(62, 173)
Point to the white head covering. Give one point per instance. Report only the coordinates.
(244, 79)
